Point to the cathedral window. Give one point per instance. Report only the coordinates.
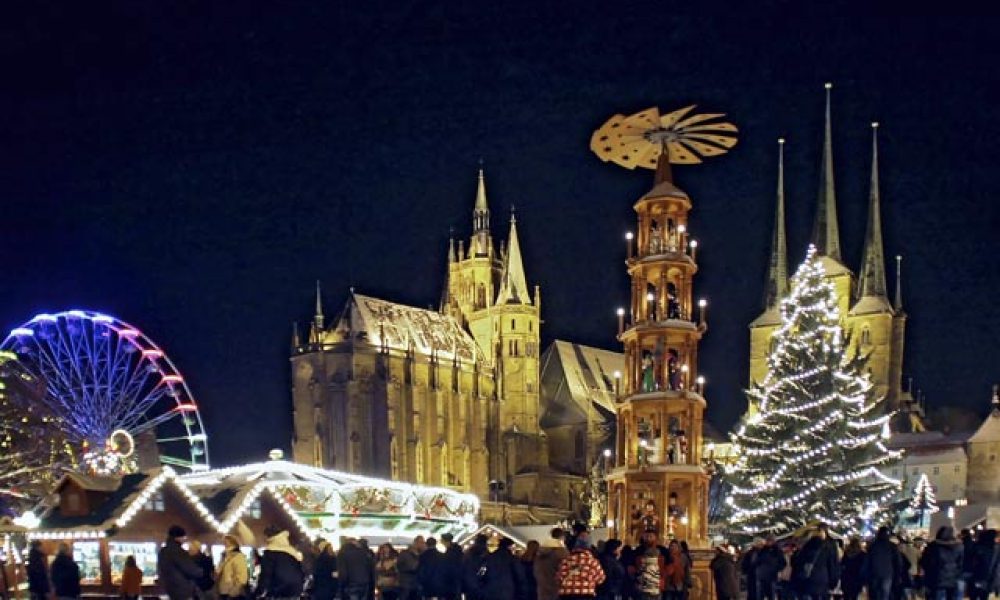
(444, 464)
(866, 336)
(394, 459)
(513, 324)
(419, 460)
(531, 326)
(355, 452)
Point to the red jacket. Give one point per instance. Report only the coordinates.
(579, 574)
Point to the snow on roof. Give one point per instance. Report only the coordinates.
(397, 326)
(934, 456)
(771, 316)
(590, 373)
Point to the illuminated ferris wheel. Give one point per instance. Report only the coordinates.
(116, 398)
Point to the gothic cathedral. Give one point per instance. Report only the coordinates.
(447, 397)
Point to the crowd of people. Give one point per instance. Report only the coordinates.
(886, 567)
(566, 566)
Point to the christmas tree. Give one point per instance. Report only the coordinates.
(923, 504)
(815, 447)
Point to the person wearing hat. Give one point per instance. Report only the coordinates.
(281, 571)
(325, 572)
(175, 569)
(232, 575)
(723, 567)
(453, 559)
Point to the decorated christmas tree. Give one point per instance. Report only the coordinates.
(923, 504)
(814, 448)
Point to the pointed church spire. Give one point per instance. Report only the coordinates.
(318, 318)
(513, 284)
(826, 236)
(872, 280)
(481, 244)
(777, 274)
(296, 339)
(898, 304)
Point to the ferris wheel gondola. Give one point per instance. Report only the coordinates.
(114, 395)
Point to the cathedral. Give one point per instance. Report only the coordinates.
(448, 397)
(876, 325)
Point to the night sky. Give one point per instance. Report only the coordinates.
(193, 169)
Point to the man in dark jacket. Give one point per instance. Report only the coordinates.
(453, 559)
(356, 568)
(407, 564)
(38, 572)
(473, 564)
(985, 565)
(503, 578)
(723, 567)
(65, 574)
(770, 561)
(815, 568)
(883, 566)
(281, 573)
(176, 571)
(748, 566)
(942, 563)
(433, 572)
(550, 554)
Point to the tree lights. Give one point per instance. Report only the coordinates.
(815, 449)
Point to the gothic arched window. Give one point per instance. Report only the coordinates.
(866, 336)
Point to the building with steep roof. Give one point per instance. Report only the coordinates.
(876, 325)
(446, 397)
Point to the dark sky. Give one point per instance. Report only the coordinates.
(193, 168)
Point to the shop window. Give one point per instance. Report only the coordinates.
(254, 510)
(145, 559)
(88, 556)
(958, 468)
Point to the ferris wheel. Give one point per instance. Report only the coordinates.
(113, 394)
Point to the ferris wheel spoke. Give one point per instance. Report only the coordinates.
(156, 421)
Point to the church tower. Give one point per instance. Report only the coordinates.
(489, 294)
(877, 326)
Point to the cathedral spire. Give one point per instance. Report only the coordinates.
(318, 318)
(826, 236)
(872, 280)
(513, 284)
(482, 243)
(296, 339)
(777, 274)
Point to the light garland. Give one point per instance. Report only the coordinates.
(811, 448)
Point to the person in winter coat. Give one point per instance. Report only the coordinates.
(550, 555)
(474, 568)
(911, 556)
(453, 559)
(232, 575)
(325, 572)
(677, 572)
(65, 574)
(407, 564)
(356, 570)
(748, 567)
(579, 573)
(883, 566)
(175, 569)
(941, 564)
(852, 570)
(386, 573)
(281, 571)
(815, 569)
(527, 560)
(433, 572)
(615, 576)
(38, 572)
(204, 562)
(131, 586)
(724, 574)
(769, 562)
(985, 565)
(502, 578)
(650, 573)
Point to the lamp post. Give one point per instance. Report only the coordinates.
(628, 244)
(702, 310)
(621, 320)
(694, 249)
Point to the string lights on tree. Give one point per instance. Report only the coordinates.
(815, 448)
(923, 504)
